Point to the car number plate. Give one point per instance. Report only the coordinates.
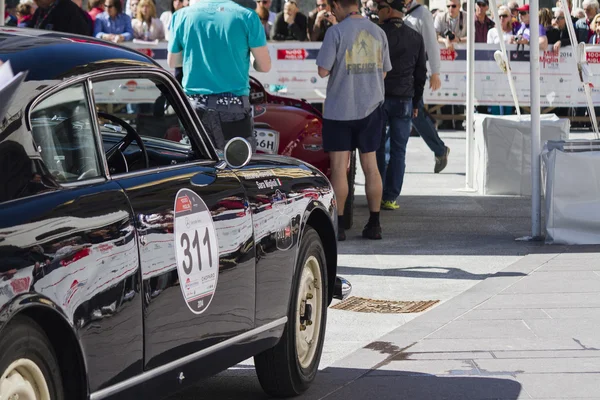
(267, 141)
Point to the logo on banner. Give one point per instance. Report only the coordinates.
(447, 55)
(292, 54)
(131, 85)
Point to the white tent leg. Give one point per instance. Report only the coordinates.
(536, 183)
(469, 128)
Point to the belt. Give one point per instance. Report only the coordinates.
(220, 100)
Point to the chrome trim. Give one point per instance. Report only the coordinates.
(161, 169)
(100, 179)
(136, 380)
(342, 288)
(248, 146)
(89, 91)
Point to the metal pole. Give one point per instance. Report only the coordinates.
(534, 65)
(2, 11)
(470, 134)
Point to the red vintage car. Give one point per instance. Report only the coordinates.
(292, 127)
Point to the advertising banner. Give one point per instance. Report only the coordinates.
(294, 74)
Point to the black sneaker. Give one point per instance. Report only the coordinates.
(441, 162)
(341, 235)
(372, 232)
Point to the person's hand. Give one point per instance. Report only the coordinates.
(415, 112)
(320, 17)
(332, 20)
(449, 44)
(108, 36)
(522, 41)
(290, 15)
(434, 82)
(119, 38)
(556, 47)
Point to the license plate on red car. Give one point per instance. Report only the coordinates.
(267, 141)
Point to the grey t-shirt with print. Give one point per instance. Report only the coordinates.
(356, 52)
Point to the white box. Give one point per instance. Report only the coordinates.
(571, 183)
(502, 159)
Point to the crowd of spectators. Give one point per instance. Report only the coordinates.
(104, 19)
(138, 19)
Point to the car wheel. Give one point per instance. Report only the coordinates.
(349, 207)
(28, 363)
(288, 368)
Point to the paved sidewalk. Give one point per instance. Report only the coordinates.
(531, 331)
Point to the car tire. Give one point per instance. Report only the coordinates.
(349, 206)
(28, 363)
(288, 369)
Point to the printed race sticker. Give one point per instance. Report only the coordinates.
(197, 250)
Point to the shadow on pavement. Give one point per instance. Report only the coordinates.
(362, 384)
(424, 272)
(448, 225)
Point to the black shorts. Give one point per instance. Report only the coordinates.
(363, 134)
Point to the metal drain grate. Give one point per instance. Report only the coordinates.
(362, 304)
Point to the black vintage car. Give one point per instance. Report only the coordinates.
(134, 258)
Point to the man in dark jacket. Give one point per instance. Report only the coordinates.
(60, 16)
(290, 24)
(404, 86)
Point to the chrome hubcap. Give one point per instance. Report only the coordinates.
(23, 380)
(308, 312)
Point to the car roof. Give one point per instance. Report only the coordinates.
(48, 55)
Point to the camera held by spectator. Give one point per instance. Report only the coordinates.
(449, 34)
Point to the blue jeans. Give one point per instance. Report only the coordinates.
(427, 131)
(399, 113)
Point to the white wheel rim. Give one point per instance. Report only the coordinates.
(23, 380)
(308, 319)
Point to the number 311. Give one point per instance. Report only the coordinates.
(185, 243)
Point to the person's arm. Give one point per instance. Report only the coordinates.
(175, 48)
(420, 76)
(257, 42)
(327, 53)
(128, 34)
(543, 42)
(438, 25)
(99, 28)
(565, 41)
(262, 59)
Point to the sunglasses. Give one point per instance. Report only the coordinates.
(321, 5)
(451, 6)
(262, 1)
(482, 4)
(523, 13)
(504, 16)
(559, 18)
(109, 6)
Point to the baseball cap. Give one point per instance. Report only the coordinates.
(395, 4)
(524, 7)
(485, 2)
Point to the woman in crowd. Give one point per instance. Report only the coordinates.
(146, 26)
(165, 17)
(96, 7)
(113, 24)
(595, 27)
(24, 14)
(546, 20)
(504, 16)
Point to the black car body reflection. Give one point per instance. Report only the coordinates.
(88, 246)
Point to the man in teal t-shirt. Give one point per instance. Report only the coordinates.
(212, 41)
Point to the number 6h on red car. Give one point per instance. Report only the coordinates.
(197, 250)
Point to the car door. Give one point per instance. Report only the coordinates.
(193, 220)
(68, 233)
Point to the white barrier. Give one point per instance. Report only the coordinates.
(294, 74)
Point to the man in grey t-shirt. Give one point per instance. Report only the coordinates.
(355, 56)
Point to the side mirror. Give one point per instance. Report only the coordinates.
(237, 153)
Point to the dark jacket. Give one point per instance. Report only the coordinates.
(63, 16)
(296, 31)
(316, 33)
(558, 35)
(407, 54)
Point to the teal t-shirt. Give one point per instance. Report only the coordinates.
(215, 37)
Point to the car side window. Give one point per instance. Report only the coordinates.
(62, 129)
(148, 106)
